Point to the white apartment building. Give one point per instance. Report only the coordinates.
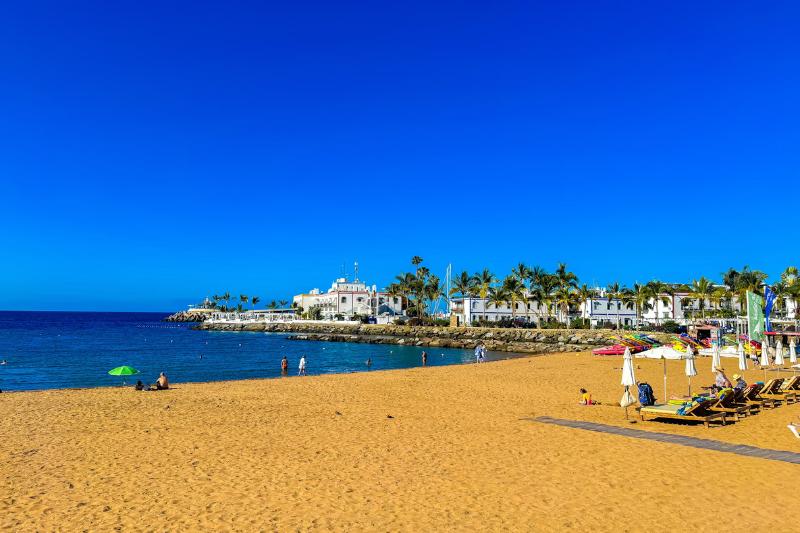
(677, 307)
(470, 310)
(349, 298)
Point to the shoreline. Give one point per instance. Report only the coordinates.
(271, 378)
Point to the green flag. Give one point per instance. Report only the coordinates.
(755, 316)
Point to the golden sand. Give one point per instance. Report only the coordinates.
(321, 453)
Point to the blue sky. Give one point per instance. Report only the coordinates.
(152, 154)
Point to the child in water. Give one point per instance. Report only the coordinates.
(586, 398)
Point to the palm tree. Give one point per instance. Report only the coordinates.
(563, 298)
(584, 296)
(514, 290)
(548, 283)
(566, 282)
(463, 285)
(497, 297)
(627, 298)
(662, 293)
(433, 289)
(717, 296)
(272, 305)
(254, 300)
(701, 290)
(523, 273)
(283, 303)
(566, 279)
(227, 298)
(641, 295)
(614, 292)
(483, 282)
(403, 287)
(748, 280)
(244, 299)
(536, 292)
(420, 284)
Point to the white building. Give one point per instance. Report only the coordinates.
(346, 299)
(471, 310)
(677, 307)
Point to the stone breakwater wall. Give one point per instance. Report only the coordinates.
(186, 316)
(495, 339)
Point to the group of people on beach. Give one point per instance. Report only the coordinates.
(301, 367)
(162, 383)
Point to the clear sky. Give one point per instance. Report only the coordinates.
(151, 154)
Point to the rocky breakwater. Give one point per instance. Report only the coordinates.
(187, 316)
(495, 339)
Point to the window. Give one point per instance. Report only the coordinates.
(359, 300)
(395, 300)
(380, 300)
(344, 299)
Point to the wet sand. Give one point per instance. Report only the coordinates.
(322, 453)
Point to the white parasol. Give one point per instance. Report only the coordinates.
(742, 358)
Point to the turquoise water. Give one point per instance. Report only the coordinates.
(47, 350)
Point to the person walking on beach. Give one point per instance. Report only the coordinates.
(424, 358)
(480, 353)
(302, 366)
(284, 365)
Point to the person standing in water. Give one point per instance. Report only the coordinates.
(302, 366)
(284, 365)
(424, 358)
(369, 362)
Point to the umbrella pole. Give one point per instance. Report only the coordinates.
(690, 386)
(665, 381)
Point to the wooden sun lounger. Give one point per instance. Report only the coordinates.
(740, 398)
(751, 397)
(697, 413)
(772, 390)
(791, 385)
(725, 404)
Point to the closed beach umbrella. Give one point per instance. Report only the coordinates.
(628, 376)
(765, 356)
(779, 353)
(628, 379)
(715, 361)
(742, 358)
(123, 371)
(691, 370)
(792, 351)
(765, 353)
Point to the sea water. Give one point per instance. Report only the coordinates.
(47, 350)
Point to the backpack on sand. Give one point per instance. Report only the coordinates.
(646, 396)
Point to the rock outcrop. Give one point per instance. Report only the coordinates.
(187, 316)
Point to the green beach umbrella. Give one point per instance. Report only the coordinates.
(123, 371)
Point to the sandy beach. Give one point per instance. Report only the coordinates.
(439, 448)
